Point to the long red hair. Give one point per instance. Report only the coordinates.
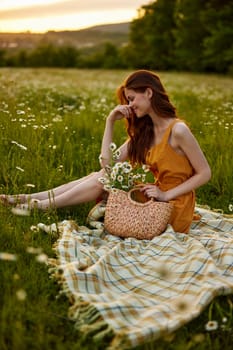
(141, 130)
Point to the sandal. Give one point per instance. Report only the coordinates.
(30, 205)
(12, 200)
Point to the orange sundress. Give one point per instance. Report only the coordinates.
(171, 169)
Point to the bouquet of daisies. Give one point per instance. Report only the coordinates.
(122, 175)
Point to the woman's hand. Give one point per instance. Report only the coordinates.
(152, 191)
(120, 112)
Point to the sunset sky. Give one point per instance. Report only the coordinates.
(43, 15)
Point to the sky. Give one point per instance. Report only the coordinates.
(39, 16)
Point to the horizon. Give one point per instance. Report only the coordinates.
(66, 30)
(41, 16)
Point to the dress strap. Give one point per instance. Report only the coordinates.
(168, 131)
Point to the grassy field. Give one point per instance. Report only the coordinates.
(51, 124)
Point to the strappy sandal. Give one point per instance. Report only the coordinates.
(12, 200)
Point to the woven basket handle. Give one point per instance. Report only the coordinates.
(138, 198)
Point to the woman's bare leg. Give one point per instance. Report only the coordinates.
(81, 191)
(24, 198)
(57, 190)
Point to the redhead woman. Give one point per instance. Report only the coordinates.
(156, 137)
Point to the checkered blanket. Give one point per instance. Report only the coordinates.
(131, 291)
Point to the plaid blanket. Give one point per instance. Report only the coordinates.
(131, 291)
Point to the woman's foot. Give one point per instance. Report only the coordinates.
(29, 205)
(12, 200)
(24, 209)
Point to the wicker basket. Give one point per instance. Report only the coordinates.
(131, 214)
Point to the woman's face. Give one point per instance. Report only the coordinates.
(140, 102)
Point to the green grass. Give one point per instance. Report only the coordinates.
(58, 116)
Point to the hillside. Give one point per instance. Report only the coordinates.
(89, 37)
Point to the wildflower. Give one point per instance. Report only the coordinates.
(33, 250)
(136, 176)
(57, 118)
(20, 211)
(145, 168)
(19, 112)
(20, 169)
(130, 183)
(34, 228)
(112, 146)
(113, 175)
(30, 185)
(120, 178)
(211, 326)
(230, 207)
(19, 145)
(48, 228)
(117, 166)
(127, 168)
(8, 256)
(121, 174)
(42, 258)
(102, 180)
(116, 154)
(108, 169)
(224, 320)
(21, 294)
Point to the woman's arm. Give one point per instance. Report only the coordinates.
(184, 141)
(118, 113)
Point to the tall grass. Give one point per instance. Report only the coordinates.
(51, 124)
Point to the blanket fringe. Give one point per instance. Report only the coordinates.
(87, 319)
(120, 342)
(84, 312)
(89, 322)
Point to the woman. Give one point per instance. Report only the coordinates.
(156, 137)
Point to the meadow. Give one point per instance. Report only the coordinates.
(51, 124)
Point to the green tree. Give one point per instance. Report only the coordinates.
(194, 35)
(151, 39)
(190, 33)
(21, 58)
(67, 56)
(111, 57)
(49, 55)
(44, 55)
(107, 57)
(218, 45)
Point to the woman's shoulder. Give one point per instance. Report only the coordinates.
(180, 129)
(181, 134)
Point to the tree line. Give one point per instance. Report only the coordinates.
(191, 35)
